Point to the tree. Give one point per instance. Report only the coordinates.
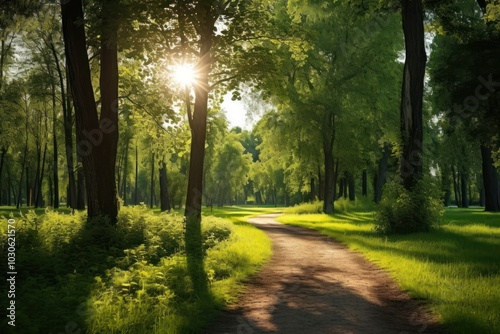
(412, 93)
(97, 135)
(464, 84)
(327, 69)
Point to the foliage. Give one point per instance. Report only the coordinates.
(454, 268)
(403, 211)
(132, 279)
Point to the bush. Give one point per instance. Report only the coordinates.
(215, 230)
(403, 211)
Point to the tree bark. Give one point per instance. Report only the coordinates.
(490, 181)
(97, 138)
(412, 93)
(164, 196)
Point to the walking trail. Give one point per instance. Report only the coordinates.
(314, 284)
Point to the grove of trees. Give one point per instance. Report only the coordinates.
(352, 95)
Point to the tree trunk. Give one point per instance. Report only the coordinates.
(97, 138)
(352, 187)
(482, 200)
(38, 195)
(463, 182)
(136, 193)
(345, 185)
(81, 192)
(55, 168)
(164, 196)
(20, 188)
(108, 122)
(207, 17)
(312, 194)
(328, 140)
(364, 184)
(10, 188)
(380, 176)
(455, 186)
(412, 93)
(321, 186)
(152, 185)
(37, 174)
(125, 173)
(490, 181)
(68, 133)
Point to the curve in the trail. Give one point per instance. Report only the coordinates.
(314, 284)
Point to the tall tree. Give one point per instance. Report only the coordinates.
(412, 93)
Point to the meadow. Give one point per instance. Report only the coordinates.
(455, 268)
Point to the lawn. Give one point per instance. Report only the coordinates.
(132, 279)
(455, 268)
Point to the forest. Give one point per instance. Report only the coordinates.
(133, 202)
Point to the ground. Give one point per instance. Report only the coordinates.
(314, 284)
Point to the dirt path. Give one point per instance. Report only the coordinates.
(313, 284)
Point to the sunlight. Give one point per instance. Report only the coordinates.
(184, 74)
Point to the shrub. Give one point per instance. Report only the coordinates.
(215, 230)
(403, 211)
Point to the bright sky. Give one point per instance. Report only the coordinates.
(236, 113)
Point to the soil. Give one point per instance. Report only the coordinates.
(314, 284)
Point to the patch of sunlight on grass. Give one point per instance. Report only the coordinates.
(240, 214)
(456, 267)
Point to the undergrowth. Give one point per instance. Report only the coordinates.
(131, 278)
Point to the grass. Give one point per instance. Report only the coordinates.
(138, 283)
(456, 267)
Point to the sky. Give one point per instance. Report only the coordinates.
(236, 113)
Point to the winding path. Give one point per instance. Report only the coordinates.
(313, 284)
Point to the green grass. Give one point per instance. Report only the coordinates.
(455, 268)
(139, 284)
(240, 214)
